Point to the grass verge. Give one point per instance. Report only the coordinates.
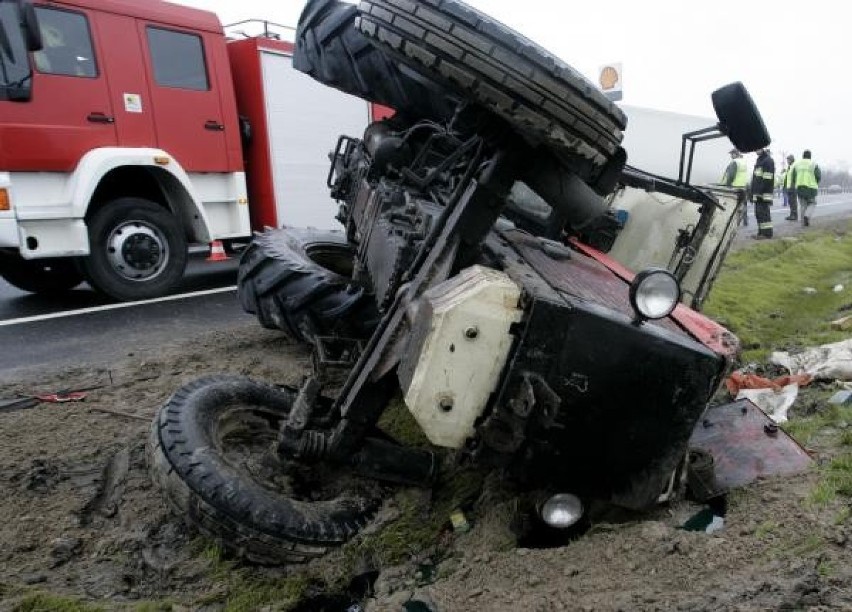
(760, 293)
(760, 296)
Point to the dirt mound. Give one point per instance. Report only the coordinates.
(82, 520)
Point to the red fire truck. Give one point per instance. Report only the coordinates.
(138, 129)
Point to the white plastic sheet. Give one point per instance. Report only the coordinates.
(827, 362)
(774, 403)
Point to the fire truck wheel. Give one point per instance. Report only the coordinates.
(300, 281)
(470, 53)
(138, 250)
(42, 276)
(210, 451)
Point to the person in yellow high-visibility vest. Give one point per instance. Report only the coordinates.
(736, 177)
(762, 190)
(790, 190)
(806, 178)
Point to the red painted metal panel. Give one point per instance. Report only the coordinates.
(379, 112)
(51, 132)
(124, 63)
(712, 335)
(180, 115)
(746, 445)
(155, 10)
(582, 276)
(248, 86)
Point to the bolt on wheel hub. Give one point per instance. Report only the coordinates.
(137, 251)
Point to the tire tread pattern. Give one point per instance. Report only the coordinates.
(280, 284)
(500, 69)
(244, 518)
(334, 53)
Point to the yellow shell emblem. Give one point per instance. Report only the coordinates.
(609, 77)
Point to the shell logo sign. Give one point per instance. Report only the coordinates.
(609, 79)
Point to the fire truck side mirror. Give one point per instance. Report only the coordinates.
(29, 26)
(739, 118)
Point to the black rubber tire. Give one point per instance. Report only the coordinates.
(739, 118)
(41, 276)
(297, 280)
(99, 271)
(220, 500)
(332, 51)
(541, 96)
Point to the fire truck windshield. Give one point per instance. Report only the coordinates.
(15, 71)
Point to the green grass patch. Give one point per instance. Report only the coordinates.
(244, 591)
(44, 602)
(418, 526)
(826, 569)
(766, 529)
(759, 292)
(836, 480)
(241, 589)
(249, 594)
(806, 429)
(397, 422)
(810, 545)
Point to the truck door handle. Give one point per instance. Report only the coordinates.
(100, 118)
(214, 126)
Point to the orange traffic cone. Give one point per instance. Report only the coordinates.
(217, 252)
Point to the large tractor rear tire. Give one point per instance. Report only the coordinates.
(484, 61)
(332, 51)
(300, 281)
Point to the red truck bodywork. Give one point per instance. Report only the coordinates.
(52, 131)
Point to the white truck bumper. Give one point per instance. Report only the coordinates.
(8, 233)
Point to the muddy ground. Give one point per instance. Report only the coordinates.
(79, 518)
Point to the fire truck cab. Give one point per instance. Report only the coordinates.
(132, 130)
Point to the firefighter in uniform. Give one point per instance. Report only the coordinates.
(736, 177)
(805, 180)
(762, 189)
(790, 190)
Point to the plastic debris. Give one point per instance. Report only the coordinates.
(809, 290)
(841, 398)
(774, 402)
(743, 380)
(842, 324)
(826, 362)
(705, 521)
(774, 396)
(459, 522)
(838, 288)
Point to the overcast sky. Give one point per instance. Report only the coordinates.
(793, 56)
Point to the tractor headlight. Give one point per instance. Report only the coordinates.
(654, 293)
(562, 510)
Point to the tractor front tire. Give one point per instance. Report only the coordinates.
(210, 451)
(300, 281)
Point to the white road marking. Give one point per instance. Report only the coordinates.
(82, 311)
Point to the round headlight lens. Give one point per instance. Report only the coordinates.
(562, 510)
(654, 293)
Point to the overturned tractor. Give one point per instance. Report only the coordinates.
(471, 277)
